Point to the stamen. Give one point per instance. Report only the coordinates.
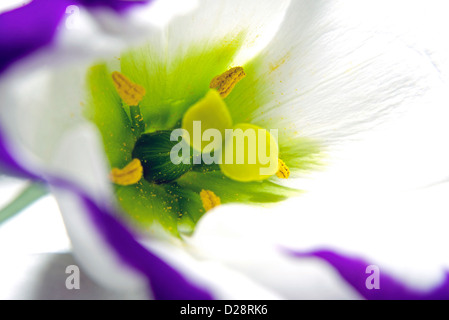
(129, 175)
(210, 200)
(225, 82)
(284, 171)
(130, 92)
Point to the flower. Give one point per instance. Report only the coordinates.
(327, 72)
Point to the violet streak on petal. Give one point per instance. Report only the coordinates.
(353, 271)
(165, 281)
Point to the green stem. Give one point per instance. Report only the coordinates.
(29, 195)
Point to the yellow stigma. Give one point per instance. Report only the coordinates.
(225, 82)
(284, 171)
(129, 175)
(242, 157)
(212, 112)
(130, 92)
(210, 200)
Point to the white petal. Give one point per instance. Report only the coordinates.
(241, 238)
(96, 257)
(43, 277)
(224, 282)
(336, 68)
(7, 5)
(42, 96)
(402, 233)
(253, 21)
(79, 159)
(227, 19)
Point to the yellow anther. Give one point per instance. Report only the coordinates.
(225, 82)
(129, 175)
(284, 171)
(130, 92)
(210, 200)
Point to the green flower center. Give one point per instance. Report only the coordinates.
(166, 180)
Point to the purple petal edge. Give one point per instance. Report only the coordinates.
(354, 272)
(117, 5)
(165, 282)
(26, 29)
(10, 166)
